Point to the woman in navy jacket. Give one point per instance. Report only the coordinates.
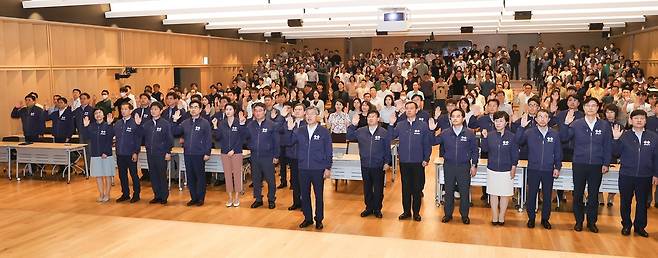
(638, 150)
(102, 163)
(230, 136)
(501, 165)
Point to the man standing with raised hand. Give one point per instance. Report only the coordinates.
(263, 141)
(128, 145)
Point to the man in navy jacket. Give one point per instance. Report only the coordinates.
(375, 153)
(63, 121)
(638, 150)
(144, 112)
(291, 156)
(263, 141)
(85, 110)
(197, 135)
(415, 150)
(128, 146)
(544, 163)
(159, 141)
(485, 122)
(314, 157)
(459, 163)
(33, 118)
(592, 141)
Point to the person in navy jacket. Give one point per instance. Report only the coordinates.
(443, 119)
(421, 115)
(144, 112)
(63, 121)
(314, 157)
(128, 146)
(33, 118)
(529, 116)
(459, 163)
(592, 141)
(100, 145)
(485, 122)
(159, 141)
(84, 110)
(503, 151)
(544, 163)
(638, 150)
(375, 154)
(415, 149)
(196, 132)
(298, 115)
(172, 101)
(263, 140)
(230, 135)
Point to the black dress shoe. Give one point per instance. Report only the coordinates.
(417, 217)
(319, 225)
(626, 231)
(593, 228)
(123, 198)
(154, 201)
(163, 202)
(365, 213)
(446, 219)
(642, 233)
(655, 205)
(578, 227)
(531, 224)
(281, 186)
(546, 224)
(199, 203)
(293, 207)
(404, 216)
(271, 205)
(134, 199)
(378, 214)
(494, 223)
(609, 204)
(483, 197)
(190, 203)
(501, 223)
(256, 204)
(305, 223)
(466, 220)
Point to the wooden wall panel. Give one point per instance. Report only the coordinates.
(21, 83)
(641, 46)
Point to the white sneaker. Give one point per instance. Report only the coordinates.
(236, 203)
(457, 195)
(229, 204)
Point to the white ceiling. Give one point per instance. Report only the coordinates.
(358, 18)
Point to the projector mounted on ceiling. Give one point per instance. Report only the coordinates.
(393, 19)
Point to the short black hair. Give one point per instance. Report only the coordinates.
(458, 110)
(173, 95)
(145, 95)
(501, 114)
(156, 104)
(63, 99)
(590, 98)
(417, 95)
(373, 112)
(85, 94)
(127, 103)
(105, 91)
(412, 103)
(195, 102)
(494, 100)
(30, 96)
(258, 104)
(78, 90)
(638, 112)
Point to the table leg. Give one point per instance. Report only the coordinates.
(68, 167)
(18, 178)
(84, 152)
(168, 175)
(9, 163)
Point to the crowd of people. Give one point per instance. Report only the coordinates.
(589, 106)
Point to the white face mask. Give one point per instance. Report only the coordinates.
(123, 94)
(104, 96)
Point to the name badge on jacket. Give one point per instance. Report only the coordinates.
(463, 138)
(597, 132)
(316, 137)
(647, 143)
(416, 131)
(549, 139)
(234, 129)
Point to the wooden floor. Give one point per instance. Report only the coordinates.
(34, 202)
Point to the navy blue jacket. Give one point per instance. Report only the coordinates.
(516, 127)
(544, 153)
(263, 139)
(230, 137)
(63, 125)
(315, 153)
(168, 114)
(80, 113)
(144, 113)
(652, 124)
(100, 137)
(459, 149)
(562, 115)
(128, 137)
(637, 159)
(482, 122)
(416, 141)
(422, 115)
(197, 134)
(443, 122)
(32, 118)
(590, 147)
(374, 149)
(290, 150)
(158, 137)
(503, 150)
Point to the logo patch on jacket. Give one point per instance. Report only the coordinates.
(63, 118)
(32, 114)
(377, 137)
(505, 143)
(103, 132)
(197, 128)
(421, 119)
(158, 129)
(647, 143)
(597, 131)
(129, 129)
(265, 130)
(463, 138)
(549, 139)
(316, 137)
(416, 131)
(234, 129)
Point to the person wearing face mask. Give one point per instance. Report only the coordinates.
(123, 93)
(105, 103)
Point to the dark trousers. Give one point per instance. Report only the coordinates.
(126, 164)
(535, 177)
(640, 187)
(158, 169)
(284, 163)
(195, 172)
(457, 174)
(373, 187)
(590, 175)
(413, 181)
(515, 71)
(263, 168)
(307, 179)
(294, 182)
(429, 103)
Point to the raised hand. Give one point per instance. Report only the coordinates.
(570, 117)
(285, 112)
(355, 120)
(524, 120)
(110, 118)
(85, 121)
(176, 116)
(291, 123)
(432, 124)
(393, 119)
(241, 117)
(20, 104)
(214, 123)
(207, 109)
(616, 132)
(273, 113)
(484, 133)
(138, 119)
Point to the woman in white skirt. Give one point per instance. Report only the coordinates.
(102, 166)
(503, 152)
